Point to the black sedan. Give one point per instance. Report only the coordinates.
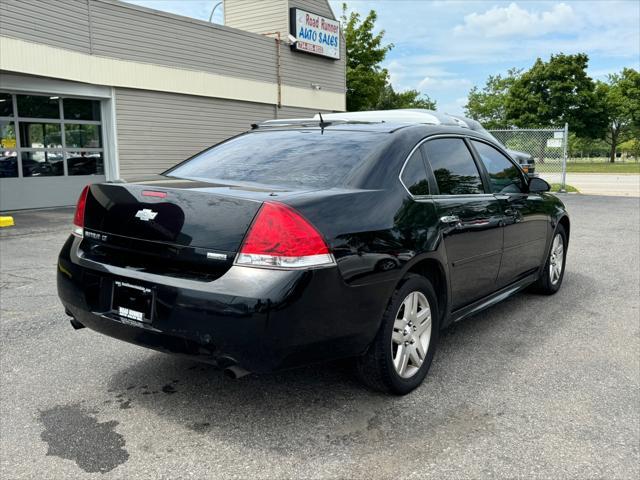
(315, 241)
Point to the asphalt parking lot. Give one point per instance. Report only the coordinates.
(537, 387)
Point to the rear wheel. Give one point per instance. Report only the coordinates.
(553, 273)
(401, 354)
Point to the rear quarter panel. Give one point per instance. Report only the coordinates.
(374, 234)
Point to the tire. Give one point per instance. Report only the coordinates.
(376, 368)
(551, 277)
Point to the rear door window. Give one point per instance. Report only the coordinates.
(453, 166)
(504, 176)
(414, 175)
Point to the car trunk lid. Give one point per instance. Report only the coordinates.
(173, 227)
(185, 214)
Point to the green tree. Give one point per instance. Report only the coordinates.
(390, 99)
(620, 96)
(555, 92)
(366, 79)
(368, 86)
(631, 147)
(586, 147)
(488, 105)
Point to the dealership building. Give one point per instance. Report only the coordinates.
(95, 90)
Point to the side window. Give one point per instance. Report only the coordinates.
(414, 175)
(504, 175)
(453, 167)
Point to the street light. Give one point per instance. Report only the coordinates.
(213, 10)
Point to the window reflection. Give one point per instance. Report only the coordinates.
(38, 106)
(6, 105)
(42, 164)
(82, 136)
(45, 146)
(8, 163)
(414, 175)
(505, 177)
(8, 154)
(7, 135)
(450, 183)
(288, 158)
(79, 109)
(85, 163)
(40, 135)
(453, 166)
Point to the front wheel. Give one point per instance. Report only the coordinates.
(401, 354)
(553, 273)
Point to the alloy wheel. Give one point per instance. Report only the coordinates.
(556, 259)
(411, 334)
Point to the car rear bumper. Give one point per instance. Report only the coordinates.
(259, 319)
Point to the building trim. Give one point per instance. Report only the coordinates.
(43, 60)
(110, 122)
(51, 85)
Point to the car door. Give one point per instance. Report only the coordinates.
(470, 219)
(525, 219)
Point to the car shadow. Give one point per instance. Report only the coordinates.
(320, 406)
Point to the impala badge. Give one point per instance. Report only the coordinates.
(145, 214)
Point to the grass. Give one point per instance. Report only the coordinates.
(555, 187)
(603, 167)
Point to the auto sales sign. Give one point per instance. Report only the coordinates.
(315, 34)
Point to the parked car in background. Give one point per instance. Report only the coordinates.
(85, 163)
(306, 241)
(526, 160)
(9, 165)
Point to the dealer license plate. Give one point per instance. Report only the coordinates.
(133, 302)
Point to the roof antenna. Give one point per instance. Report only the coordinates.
(323, 123)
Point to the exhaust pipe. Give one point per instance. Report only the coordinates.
(234, 372)
(76, 324)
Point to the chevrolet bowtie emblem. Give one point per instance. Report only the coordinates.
(145, 214)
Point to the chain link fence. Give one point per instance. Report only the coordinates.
(547, 146)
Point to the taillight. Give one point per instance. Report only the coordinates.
(282, 238)
(78, 218)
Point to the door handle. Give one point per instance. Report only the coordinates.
(503, 197)
(448, 219)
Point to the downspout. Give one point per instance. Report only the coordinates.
(278, 67)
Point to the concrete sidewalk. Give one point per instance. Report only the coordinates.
(626, 184)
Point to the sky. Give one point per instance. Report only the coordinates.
(444, 48)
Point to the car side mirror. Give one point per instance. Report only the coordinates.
(538, 185)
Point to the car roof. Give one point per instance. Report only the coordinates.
(409, 130)
(330, 125)
(392, 119)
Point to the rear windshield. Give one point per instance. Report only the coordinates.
(292, 158)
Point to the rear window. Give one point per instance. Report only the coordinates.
(292, 158)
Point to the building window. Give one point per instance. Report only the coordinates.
(44, 136)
